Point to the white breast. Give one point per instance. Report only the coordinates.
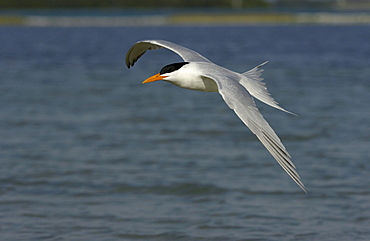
(190, 77)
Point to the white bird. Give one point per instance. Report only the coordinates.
(237, 89)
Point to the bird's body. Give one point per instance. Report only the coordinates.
(192, 78)
(237, 89)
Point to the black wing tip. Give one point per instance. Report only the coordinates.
(129, 65)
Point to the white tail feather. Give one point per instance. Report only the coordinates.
(253, 82)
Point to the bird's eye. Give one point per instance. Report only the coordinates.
(172, 67)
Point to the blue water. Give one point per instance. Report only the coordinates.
(89, 153)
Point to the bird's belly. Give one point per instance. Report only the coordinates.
(199, 83)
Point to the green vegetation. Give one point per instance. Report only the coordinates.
(130, 3)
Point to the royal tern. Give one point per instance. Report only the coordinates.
(237, 89)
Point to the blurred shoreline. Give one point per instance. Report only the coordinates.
(52, 18)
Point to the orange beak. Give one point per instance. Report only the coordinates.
(154, 78)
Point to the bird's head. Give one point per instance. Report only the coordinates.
(167, 73)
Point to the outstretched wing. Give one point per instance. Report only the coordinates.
(238, 99)
(139, 48)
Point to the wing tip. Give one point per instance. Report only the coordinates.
(301, 185)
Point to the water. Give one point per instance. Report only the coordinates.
(89, 153)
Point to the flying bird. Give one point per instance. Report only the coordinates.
(237, 89)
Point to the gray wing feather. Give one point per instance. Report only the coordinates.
(139, 48)
(238, 99)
